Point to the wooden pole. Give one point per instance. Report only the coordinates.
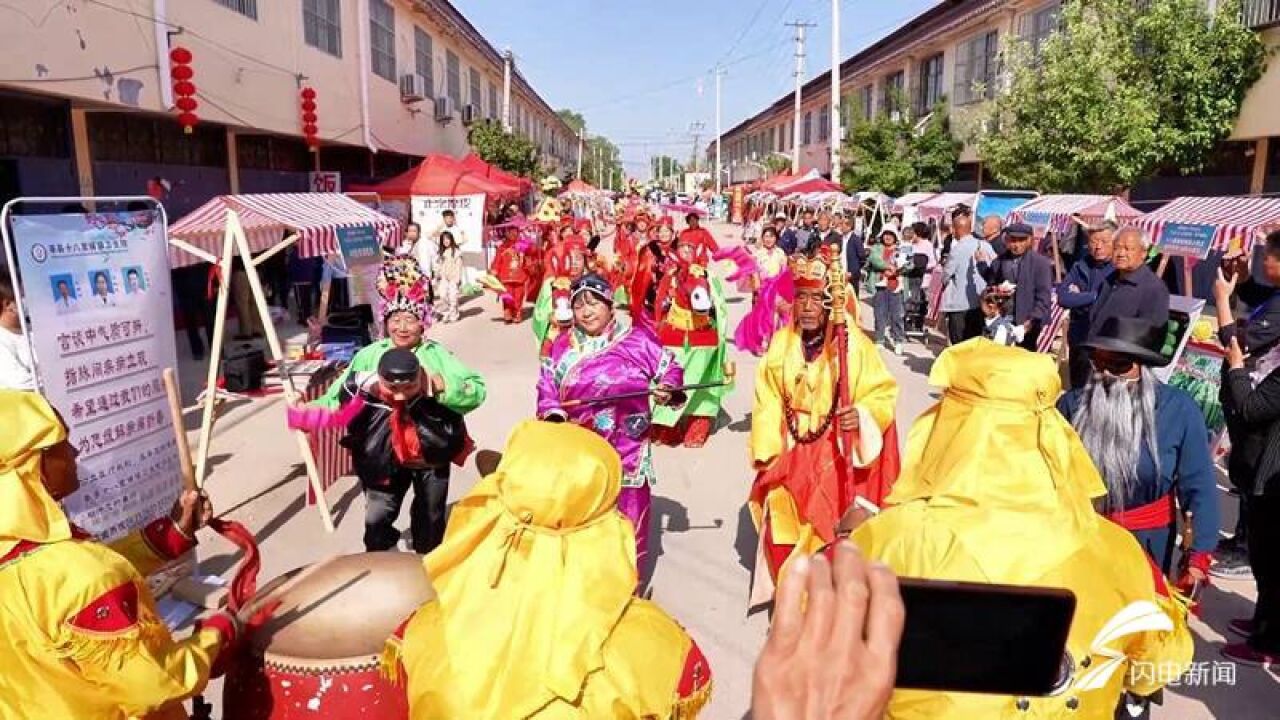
(277, 352)
(188, 472)
(215, 349)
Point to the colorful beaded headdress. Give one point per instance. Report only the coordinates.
(402, 288)
(812, 271)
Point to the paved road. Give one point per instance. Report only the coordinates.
(704, 538)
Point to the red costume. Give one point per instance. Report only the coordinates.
(703, 241)
(509, 266)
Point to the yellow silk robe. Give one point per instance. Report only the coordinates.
(810, 386)
(54, 665)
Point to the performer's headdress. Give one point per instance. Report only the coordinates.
(402, 288)
(548, 211)
(811, 271)
(594, 284)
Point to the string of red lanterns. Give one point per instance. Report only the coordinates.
(184, 89)
(310, 131)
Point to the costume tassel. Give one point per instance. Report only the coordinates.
(688, 708)
(389, 662)
(110, 651)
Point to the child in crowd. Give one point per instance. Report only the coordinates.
(448, 277)
(997, 311)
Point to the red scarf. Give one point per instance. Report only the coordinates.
(405, 442)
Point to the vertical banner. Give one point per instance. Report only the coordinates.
(96, 289)
(466, 226)
(362, 254)
(737, 204)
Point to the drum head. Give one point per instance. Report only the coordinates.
(345, 607)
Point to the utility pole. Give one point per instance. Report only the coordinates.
(581, 131)
(800, 27)
(599, 168)
(696, 129)
(719, 74)
(837, 131)
(507, 60)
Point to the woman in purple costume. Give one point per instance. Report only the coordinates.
(603, 356)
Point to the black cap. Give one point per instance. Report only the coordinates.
(594, 284)
(961, 210)
(1019, 229)
(399, 366)
(1131, 336)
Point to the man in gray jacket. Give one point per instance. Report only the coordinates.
(963, 273)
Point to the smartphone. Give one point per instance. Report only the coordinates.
(984, 638)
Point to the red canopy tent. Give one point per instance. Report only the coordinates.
(440, 175)
(476, 164)
(814, 185)
(578, 186)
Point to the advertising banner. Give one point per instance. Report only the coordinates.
(1186, 240)
(432, 213)
(362, 254)
(96, 291)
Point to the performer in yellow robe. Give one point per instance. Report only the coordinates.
(79, 633)
(814, 450)
(534, 615)
(996, 487)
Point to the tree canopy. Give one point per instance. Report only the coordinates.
(896, 155)
(510, 151)
(601, 160)
(1123, 90)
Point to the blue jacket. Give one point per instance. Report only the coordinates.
(1185, 467)
(1089, 276)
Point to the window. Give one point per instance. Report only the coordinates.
(773, 139)
(1038, 25)
(247, 8)
(382, 39)
(929, 92)
(824, 123)
(322, 25)
(493, 101)
(807, 135)
(891, 98)
(866, 102)
(976, 69)
(453, 76)
(424, 60)
(474, 97)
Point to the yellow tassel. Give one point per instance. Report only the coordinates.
(687, 708)
(110, 651)
(389, 662)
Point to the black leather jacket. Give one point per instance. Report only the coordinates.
(442, 432)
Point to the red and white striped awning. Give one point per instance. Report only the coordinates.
(1057, 213)
(1236, 218)
(266, 217)
(912, 198)
(939, 205)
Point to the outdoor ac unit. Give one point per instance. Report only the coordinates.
(444, 109)
(413, 88)
(470, 113)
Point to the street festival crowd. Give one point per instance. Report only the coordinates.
(1106, 489)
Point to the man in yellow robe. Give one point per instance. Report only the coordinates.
(818, 439)
(535, 615)
(79, 633)
(996, 487)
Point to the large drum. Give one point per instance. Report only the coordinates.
(318, 654)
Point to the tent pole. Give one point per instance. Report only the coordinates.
(284, 244)
(215, 346)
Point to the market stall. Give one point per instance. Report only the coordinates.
(1190, 230)
(907, 205)
(937, 207)
(1062, 214)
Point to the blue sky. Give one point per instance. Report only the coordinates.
(634, 67)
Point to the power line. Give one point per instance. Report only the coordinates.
(746, 29)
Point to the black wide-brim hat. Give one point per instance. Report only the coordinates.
(1134, 337)
(398, 365)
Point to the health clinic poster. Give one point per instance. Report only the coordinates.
(96, 291)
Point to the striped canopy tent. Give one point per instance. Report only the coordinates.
(315, 217)
(912, 199)
(937, 207)
(1236, 220)
(1058, 213)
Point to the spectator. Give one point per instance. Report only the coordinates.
(17, 371)
(797, 238)
(1131, 290)
(992, 227)
(917, 276)
(1031, 274)
(304, 276)
(192, 286)
(1079, 291)
(825, 233)
(963, 275)
(855, 252)
(884, 278)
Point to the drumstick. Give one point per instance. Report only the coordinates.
(185, 467)
(640, 393)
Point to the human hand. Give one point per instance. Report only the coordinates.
(191, 511)
(832, 650)
(437, 383)
(662, 395)
(1019, 332)
(848, 418)
(1073, 288)
(1235, 356)
(1224, 286)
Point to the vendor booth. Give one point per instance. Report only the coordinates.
(939, 206)
(1190, 230)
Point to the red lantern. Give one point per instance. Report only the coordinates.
(309, 118)
(184, 90)
(308, 93)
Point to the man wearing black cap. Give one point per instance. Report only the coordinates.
(964, 278)
(1031, 274)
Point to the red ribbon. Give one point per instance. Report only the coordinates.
(405, 442)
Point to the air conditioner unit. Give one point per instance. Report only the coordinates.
(444, 109)
(413, 88)
(470, 113)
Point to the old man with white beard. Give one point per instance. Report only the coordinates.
(1149, 443)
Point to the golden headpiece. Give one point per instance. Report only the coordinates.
(812, 270)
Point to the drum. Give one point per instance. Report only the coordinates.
(318, 654)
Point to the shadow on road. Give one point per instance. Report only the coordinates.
(746, 540)
(740, 426)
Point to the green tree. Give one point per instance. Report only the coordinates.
(776, 163)
(895, 156)
(665, 166)
(1123, 90)
(510, 151)
(607, 169)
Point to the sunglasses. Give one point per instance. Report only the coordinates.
(1113, 365)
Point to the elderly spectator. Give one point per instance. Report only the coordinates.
(1149, 442)
(1131, 290)
(917, 276)
(963, 271)
(992, 227)
(1079, 291)
(1031, 274)
(855, 251)
(796, 238)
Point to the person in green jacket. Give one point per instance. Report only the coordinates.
(406, 314)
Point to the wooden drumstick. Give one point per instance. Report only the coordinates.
(185, 466)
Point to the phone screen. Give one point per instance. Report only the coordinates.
(977, 637)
